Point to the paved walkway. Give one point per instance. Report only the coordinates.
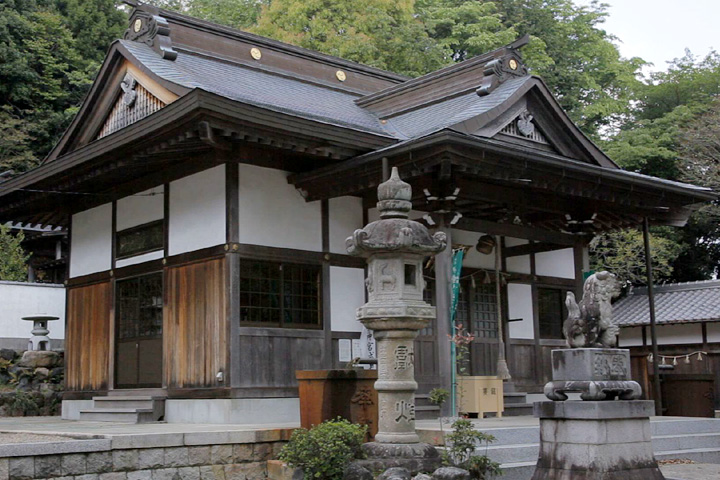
(691, 471)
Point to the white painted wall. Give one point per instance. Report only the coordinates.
(630, 337)
(91, 241)
(713, 332)
(520, 306)
(141, 208)
(197, 211)
(679, 333)
(346, 216)
(347, 294)
(274, 214)
(557, 263)
(23, 299)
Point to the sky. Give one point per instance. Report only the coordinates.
(659, 30)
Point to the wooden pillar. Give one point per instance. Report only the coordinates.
(327, 356)
(653, 330)
(443, 273)
(232, 274)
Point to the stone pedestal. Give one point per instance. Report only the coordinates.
(596, 440)
(598, 373)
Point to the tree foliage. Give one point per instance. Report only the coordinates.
(623, 253)
(13, 259)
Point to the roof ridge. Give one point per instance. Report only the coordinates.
(227, 31)
(678, 287)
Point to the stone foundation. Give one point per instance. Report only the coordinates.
(239, 461)
(583, 440)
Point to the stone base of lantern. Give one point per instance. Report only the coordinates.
(416, 457)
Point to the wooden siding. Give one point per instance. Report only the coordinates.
(121, 116)
(195, 340)
(87, 340)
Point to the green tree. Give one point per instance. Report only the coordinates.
(623, 253)
(577, 59)
(465, 28)
(49, 52)
(380, 33)
(233, 13)
(13, 259)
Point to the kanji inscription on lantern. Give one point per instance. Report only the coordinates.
(403, 357)
(405, 411)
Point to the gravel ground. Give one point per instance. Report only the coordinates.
(6, 438)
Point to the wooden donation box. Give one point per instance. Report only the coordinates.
(328, 394)
(481, 395)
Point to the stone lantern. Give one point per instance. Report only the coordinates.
(40, 340)
(395, 248)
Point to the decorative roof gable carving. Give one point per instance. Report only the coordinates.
(524, 127)
(133, 104)
(146, 26)
(502, 68)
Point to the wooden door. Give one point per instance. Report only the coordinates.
(139, 329)
(480, 318)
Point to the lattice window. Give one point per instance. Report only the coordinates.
(139, 307)
(551, 312)
(280, 294)
(484, 314)
(130, 109)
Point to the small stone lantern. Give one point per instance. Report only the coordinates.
(395, 248)
(39, 340)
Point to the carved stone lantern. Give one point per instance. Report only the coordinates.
(395, 248)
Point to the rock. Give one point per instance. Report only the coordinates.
(35, 359)
(395, 473)
(355, 472)
(18, 371)
(7, 354)
(57, 374)
(450, 473)
(42, 373)
(422, 476)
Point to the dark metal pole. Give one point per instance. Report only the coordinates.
(385, 169)
(653, 332)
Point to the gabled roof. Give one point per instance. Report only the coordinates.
(690, 302)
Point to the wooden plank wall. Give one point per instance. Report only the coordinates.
(87, 338)
(195, 324)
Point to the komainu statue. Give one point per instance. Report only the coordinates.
(589, 323)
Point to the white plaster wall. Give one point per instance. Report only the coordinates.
(347, 294)
(91, 241)
(514, 242)
(519, 264)
(197, 211)
(273, 213)
(679, 333)
(713, 332)
(346, 216)
(235, 411)
(630, 337)
(473, 258)
(557, 263)
(145, 257)
(23, 299)
(141, 208)
(520, 306)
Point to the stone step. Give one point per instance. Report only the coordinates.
(518, 470)
(663, 443)
(685, 425)
(518, 409)
(124, 402)
(118, 415)
(513, 398)
(697, 455)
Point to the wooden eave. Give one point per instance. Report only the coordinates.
(495, 178)
(194, 132)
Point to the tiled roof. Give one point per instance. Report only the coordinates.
(674, 303)
(271, 91)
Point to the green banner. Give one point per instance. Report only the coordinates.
(455, 285)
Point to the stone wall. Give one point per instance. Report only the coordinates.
(240, 461)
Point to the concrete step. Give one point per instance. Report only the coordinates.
(513, 398)
(663, 443)
(697, 455)
(124, 402)
(518, 409)
(118, 415)
(685, 425)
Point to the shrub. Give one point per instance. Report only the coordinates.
(460, 446)
(323, 451)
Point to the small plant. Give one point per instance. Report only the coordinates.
(460, 446)
(462, 340)
(438, 396)
(22, 404)
(323, 451)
